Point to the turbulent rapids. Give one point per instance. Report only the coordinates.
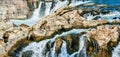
(67, 28)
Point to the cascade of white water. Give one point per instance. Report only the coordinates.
(76, 2)
(48, 7)
(116, 51)
(38, 13)
(53, 53)
(82, 47)
(63, 50)
(32, 20)
(59, 4)
(111, 15)
(39, 47)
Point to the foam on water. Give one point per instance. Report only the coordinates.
(116, 51)
(63, 50)
(59, 4)
(76, 2)
(110, 16)
(39, 47)
(48, 6)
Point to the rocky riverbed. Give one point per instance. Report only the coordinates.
(92, 37)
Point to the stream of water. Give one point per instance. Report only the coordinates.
(39, 48)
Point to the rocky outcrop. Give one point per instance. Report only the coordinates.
(10, 36)
(48, 25)
(102, 39)
(32, 4)
(17, 9)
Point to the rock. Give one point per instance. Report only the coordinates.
(93, 23)
(103, 38)
(104, 34)
(72, 43)
(53, 24)
(5, 25)
(17, 9)
(58, 43)
(27, 53)
(2, 48)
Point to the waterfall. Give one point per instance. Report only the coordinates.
(39, 47)
(44, 9)
(48, 7)
(77, 2)
(63, 50)
(59, 4)
(82, 48)
(32, 20)
(116, 51)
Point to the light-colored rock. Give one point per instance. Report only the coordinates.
(17, 9)
(104, 34)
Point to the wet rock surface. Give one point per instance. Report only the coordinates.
(27, 54)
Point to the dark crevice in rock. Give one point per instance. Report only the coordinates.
(14, 51)
(27, 53)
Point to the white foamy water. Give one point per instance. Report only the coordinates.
(39, 47)
(108, 16)
(59, 4)
(38, 14)
(75, 2)
(48, 6)
(111, 15)
(32, 20)
(116, 51)
(64, 50)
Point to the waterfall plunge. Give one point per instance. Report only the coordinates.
(39, 47)
(116, 51)
(32, 20)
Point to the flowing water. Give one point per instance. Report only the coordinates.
(116, 52)
(114, 15)
(44, 10)
(39, 48)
